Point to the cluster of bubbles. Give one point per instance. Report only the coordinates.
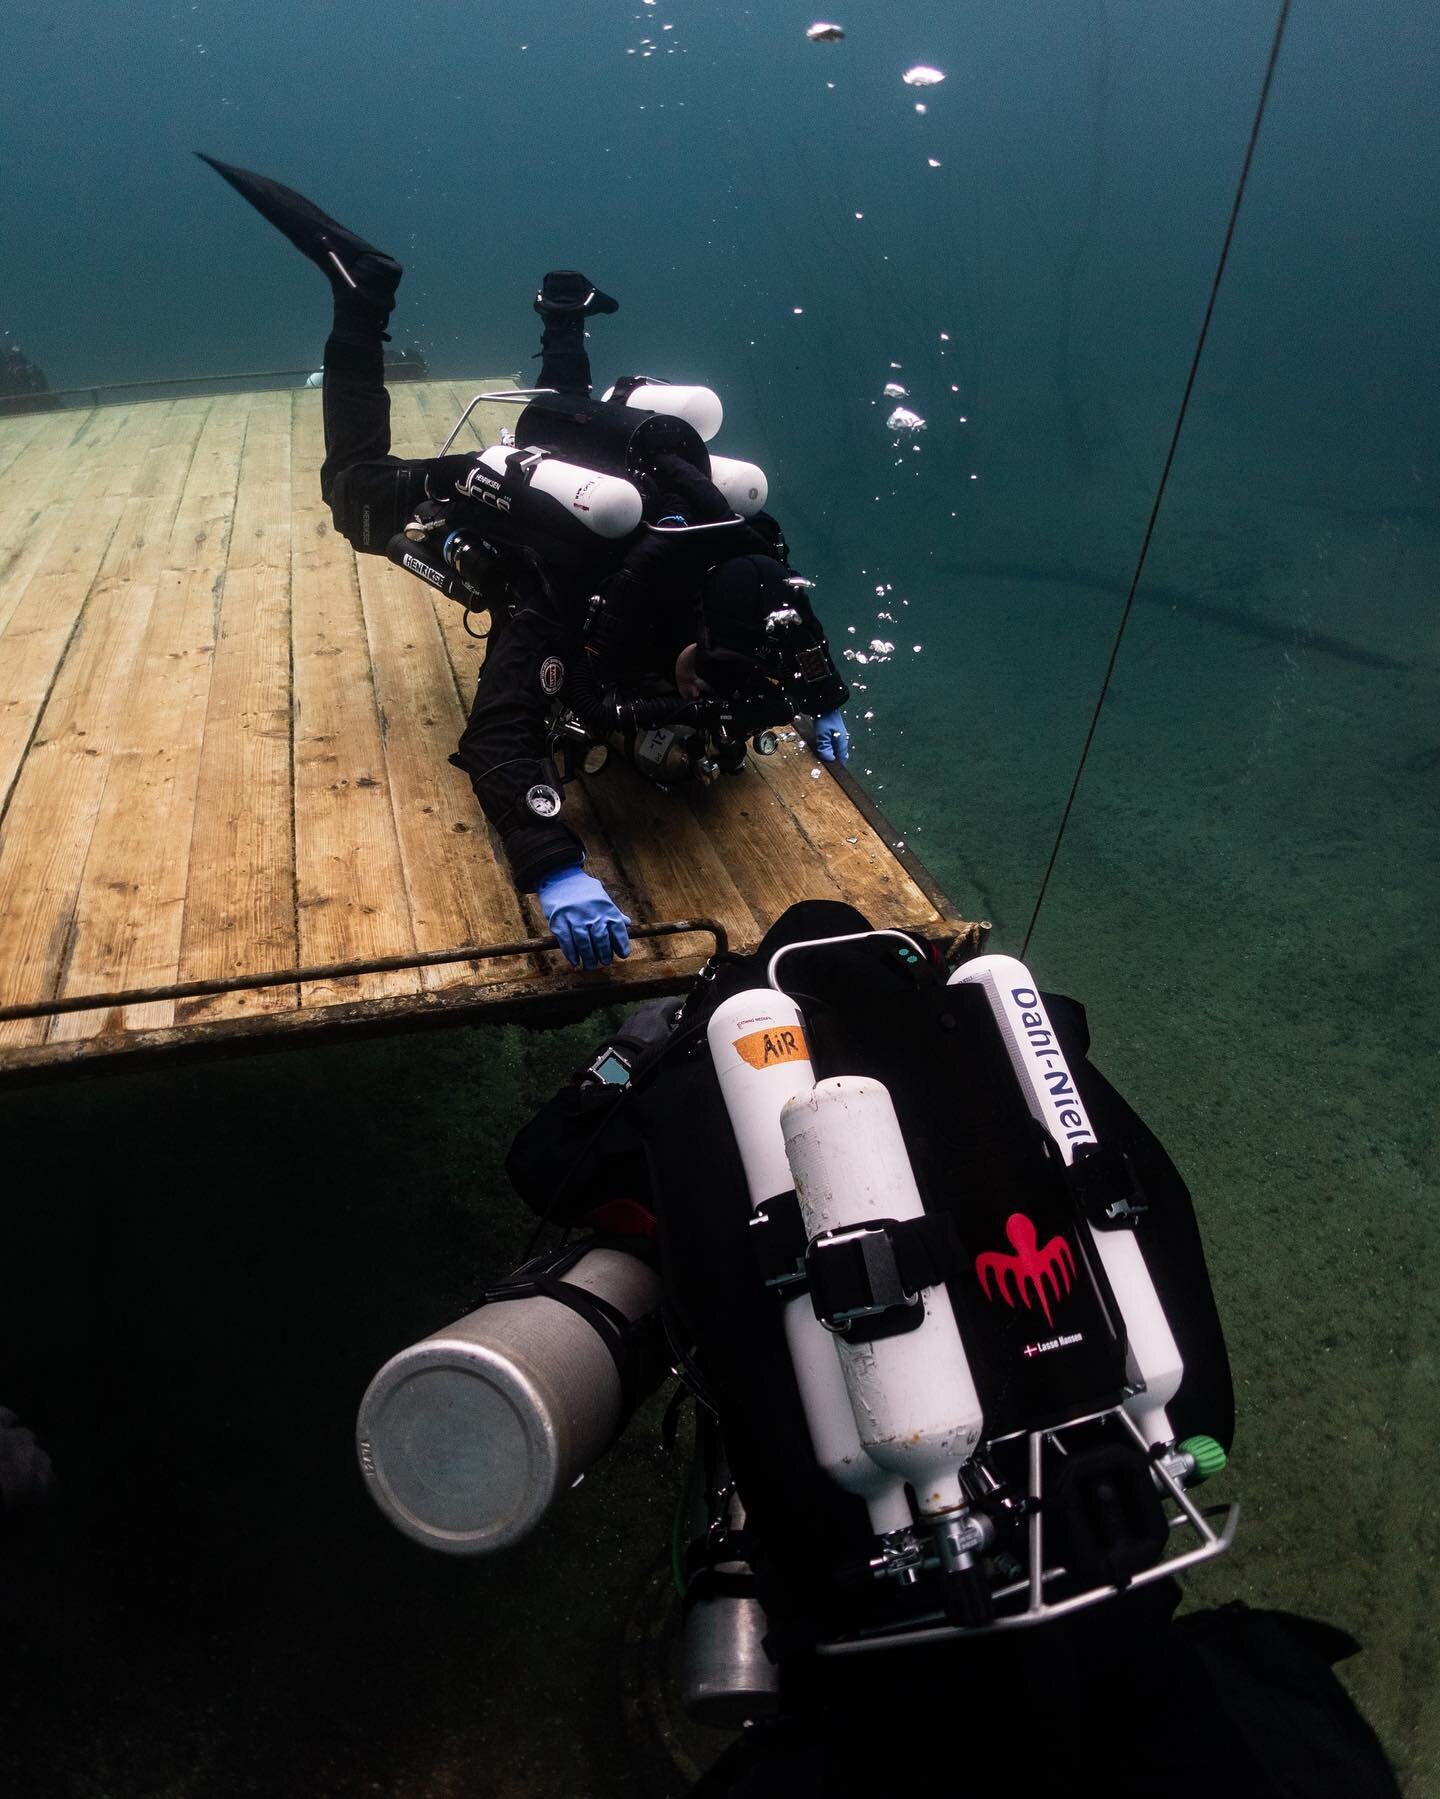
(902, 421)
(652, 46)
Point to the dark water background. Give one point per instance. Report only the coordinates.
(1246, 892)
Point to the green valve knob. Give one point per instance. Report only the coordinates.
(1207, 1455)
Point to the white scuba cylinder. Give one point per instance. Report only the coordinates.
(608, 504)
(699, 406)
(761, 1058)
(912, 1394)
(1153, 1360)
(742, 483)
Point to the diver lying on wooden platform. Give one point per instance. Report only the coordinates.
(635, 586)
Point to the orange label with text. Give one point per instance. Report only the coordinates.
(767, 1049)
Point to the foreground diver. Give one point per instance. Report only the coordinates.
(688, 596)
(839, 1647)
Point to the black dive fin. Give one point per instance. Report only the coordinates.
(566, 293)
(337, 252)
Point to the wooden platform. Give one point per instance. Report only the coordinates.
(223, 752)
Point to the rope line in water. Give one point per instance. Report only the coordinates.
(1165, 471)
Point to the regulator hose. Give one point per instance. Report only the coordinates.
(603, 711)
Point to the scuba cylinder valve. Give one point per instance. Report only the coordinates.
(1154, 1367)
(466, 1438)
(762, 1060)
(911, 1390)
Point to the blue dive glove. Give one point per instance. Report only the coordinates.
(587, 923)
(832, 740)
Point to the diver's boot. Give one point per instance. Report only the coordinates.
(567, 294)
(362, 278)
(565, 300)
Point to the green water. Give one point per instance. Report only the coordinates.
(201, 1269)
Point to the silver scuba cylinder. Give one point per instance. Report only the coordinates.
(466, 1438)
(762, 1060)
(1154, 1367)
(726, 1678)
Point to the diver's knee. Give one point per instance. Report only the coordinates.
(371, 501)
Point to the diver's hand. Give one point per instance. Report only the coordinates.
(588, 925)
(832, 740)
(693, 495)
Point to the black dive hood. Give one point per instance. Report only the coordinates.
(607, 435)
(757, 626)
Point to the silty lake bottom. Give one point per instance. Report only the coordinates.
(213, 1261)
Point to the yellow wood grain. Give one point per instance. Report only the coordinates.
(57, 795)
(45, 502)
(349, 877)
(240, 898)
(130, 907)
(224, 747)
(823, 816)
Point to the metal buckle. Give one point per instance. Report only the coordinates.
(875, 1264)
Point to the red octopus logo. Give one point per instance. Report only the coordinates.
(1031, 1266)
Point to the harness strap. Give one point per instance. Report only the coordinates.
(627, 1341)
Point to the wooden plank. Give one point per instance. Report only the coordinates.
(39, 613)
(19, 431)
(240, 898)
(58, 793)
(130, 905)
(349, 877)
(824, 816)
(457, 893)
(40, 501)
(770, 862)
(40, 626)
(440, 405)
(32, 469)
(672, 866)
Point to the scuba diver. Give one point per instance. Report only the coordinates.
(940, 1302)
(629, 597)
(23, 384)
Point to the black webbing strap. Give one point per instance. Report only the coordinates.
(704, 1579)
(777, 1237)
(626, 1341)
(865, 1281)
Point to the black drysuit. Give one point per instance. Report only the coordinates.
(538, 638)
